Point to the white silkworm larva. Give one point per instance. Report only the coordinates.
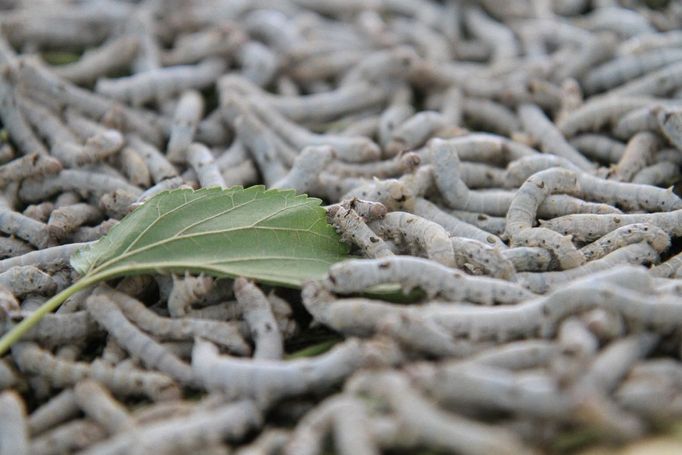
(32, 165)
(31, 359)
(224, 333)
(110, 57)
(14, 430)
(258, 315)
(482, 258)
(215, 41)
(39, 212)
(522, 213)
(70, 437)
(626, 235)
(187, 115)
(49, 259)
(551, 140)
(159, 167)
(599, 147)
(134, 167)
(414, 131)
(22, 280)
(59, 409)
(432, 425)
(392, 193)
(488, 224)
(65, 220)
(662, 174)
(304, 173)
(100, 406)
(362, 317)
(433, 278)
(587, 228)
(188, 434)
(34, 232)
(667, 268)
(418, 234)
(353, 229)
(353, 149)
(161, 83)
(266, 381)
(201, 160)
(64, 94)
(595, 113)
(658, 82)
(186, 291)
(620, 70)
(73, 180)
(15, 123)
(670, 124)
(136, 342)
(639, 152)
(636, 254)
(490, 115)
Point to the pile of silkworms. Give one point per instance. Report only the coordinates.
(509, 165)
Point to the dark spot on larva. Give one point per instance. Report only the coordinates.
(481, 217)
(384, 265)
(402, 198)
(332, 279)
(540, 185)
(617, 220)
(268, 327)
(373, 239)
(410, 220)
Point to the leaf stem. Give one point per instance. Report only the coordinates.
(52, 304)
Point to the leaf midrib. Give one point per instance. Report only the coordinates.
(124, 256)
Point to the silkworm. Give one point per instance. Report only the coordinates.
(110, 57)
(482, 258)
(625, 235)
(670, 124)
(187, 115)
(22, 280)
(276, 379)
(28, 166)
(453, 225)
(599, 147)
(72, 436)
(432, 425)
(550, 138)
(52, 258)
(354, 229)
(215, 41)
(418, 234)
(30, 358)
(433, 278)
(65, 220)
(65, 94)
(353, 149)
(637, 253)
(304, 174)
(414, 131)
(14, 430)
(586, 228)
(100, 406)
(224, 333)
(186, 433)
(14, 121)
(201, 160)
(133, 340)
(522, 212)
(490, 115)
(639, 153)
(258, 314)
(60, 408)
(159, 167)
(161, 83)
(186, 291)
(73, 180)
